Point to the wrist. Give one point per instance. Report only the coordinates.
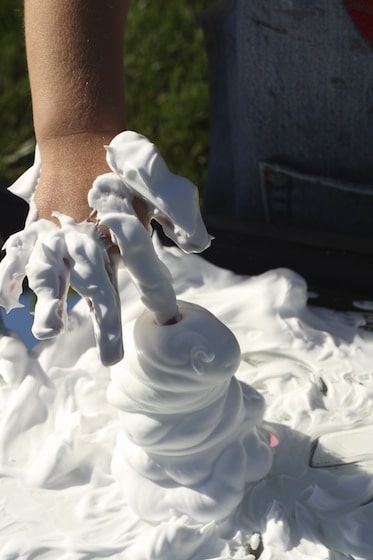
(62, 145)
(69, 165)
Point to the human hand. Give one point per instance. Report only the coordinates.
(53, 258)
(83, 255)
(59, 247)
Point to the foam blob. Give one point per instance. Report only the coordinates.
(190, 441)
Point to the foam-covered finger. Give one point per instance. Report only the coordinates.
(108, 194)
(92, 277)
(18, 249)
(172, 200)
(147, 271)
(12, 274)
(107, 327)
(48, 276)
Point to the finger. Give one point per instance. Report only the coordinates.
(12, 274)
(12, 268)
(173, 200)
(48, 276)
(110, 195)
(93, 278)
(147, 271)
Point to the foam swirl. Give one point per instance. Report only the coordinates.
(189, 426)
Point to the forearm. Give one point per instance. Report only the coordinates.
(75, 60)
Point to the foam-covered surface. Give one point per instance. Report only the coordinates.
(59, 499)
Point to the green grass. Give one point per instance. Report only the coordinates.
(167, 93)
(166, 71)
(15, 105)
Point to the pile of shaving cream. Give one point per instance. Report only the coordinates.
(58, 433)
(190, 443)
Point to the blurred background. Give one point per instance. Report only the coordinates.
(167, 92)
(288, 119)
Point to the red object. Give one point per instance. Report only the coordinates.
(361, 12)
(273, 440)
